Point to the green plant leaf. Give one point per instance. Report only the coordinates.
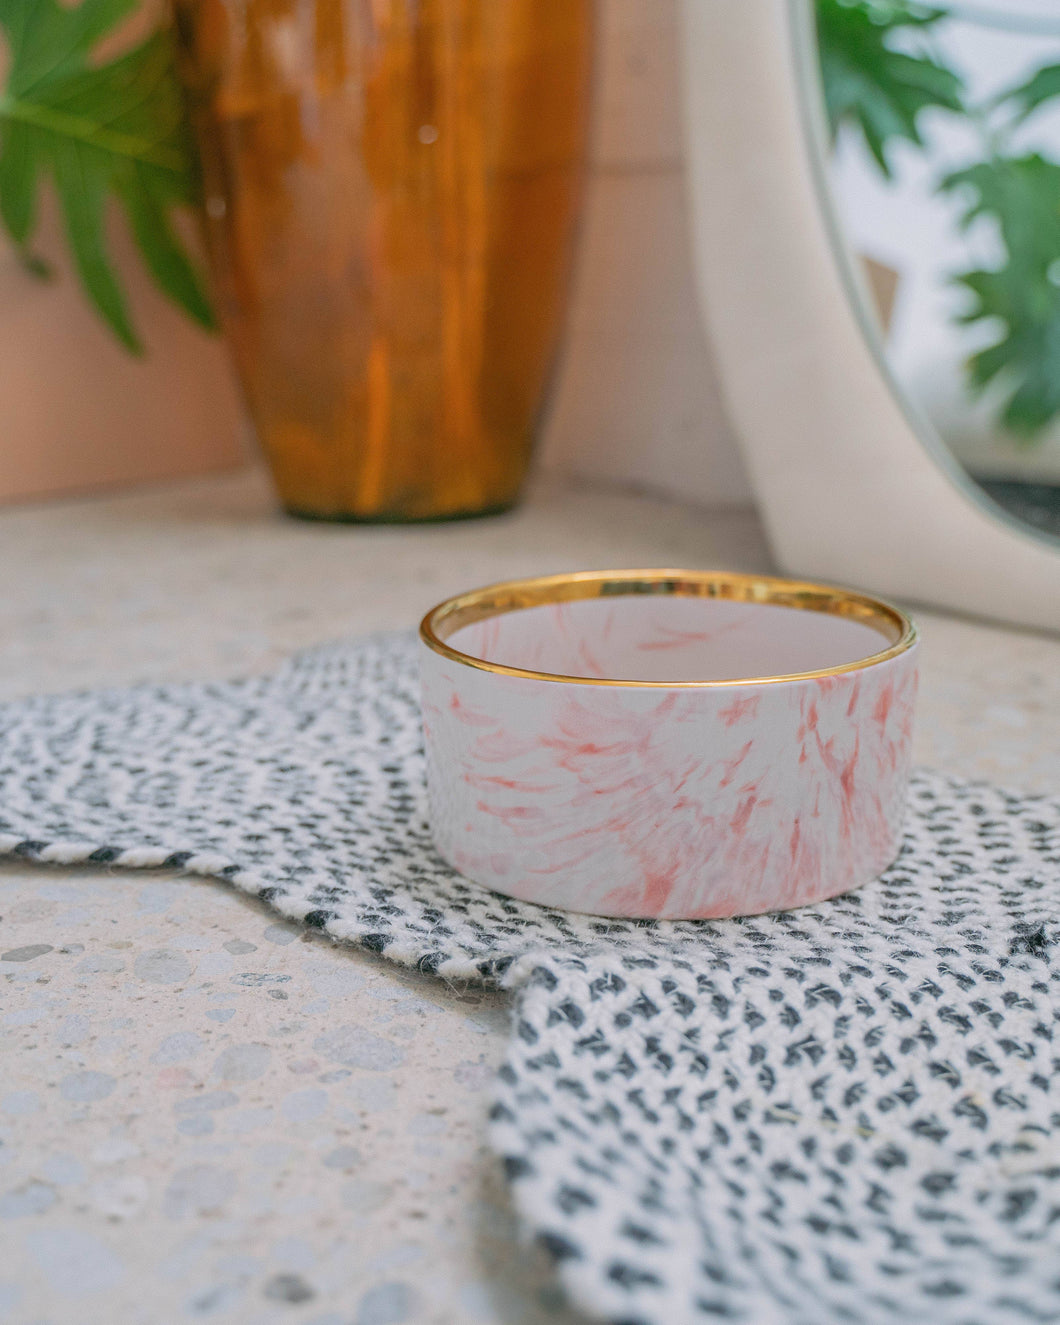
(48, 41)
(82, 193)
(99, 131)
(1027, 97)
(18, 182)
(1021, 197)
(164, 254)
(872, 86)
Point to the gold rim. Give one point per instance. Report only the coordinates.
(513, 595)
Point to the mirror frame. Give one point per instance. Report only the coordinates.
(851, 485)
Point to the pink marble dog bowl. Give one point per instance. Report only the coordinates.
(667, 743)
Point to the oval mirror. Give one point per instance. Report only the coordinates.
(944, 165)
(876, 220)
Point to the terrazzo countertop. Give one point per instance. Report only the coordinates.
(209, 1115)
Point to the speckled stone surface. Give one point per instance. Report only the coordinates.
(208, 1115)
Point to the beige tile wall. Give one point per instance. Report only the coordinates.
(78, 413)
(636, 397)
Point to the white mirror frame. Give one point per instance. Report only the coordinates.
(848, 482)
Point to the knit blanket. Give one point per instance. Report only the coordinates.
(838, 1114)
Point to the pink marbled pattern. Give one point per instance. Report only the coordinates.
(668, 803)
(658, 638)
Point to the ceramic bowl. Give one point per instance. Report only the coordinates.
(668, 743)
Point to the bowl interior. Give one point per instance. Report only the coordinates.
(668, 639)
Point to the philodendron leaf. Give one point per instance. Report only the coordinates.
(1027, 97)
(99, 131)
(163, 252)
(82, 189)
(1021, 196)
(19, 163)
(871, 85)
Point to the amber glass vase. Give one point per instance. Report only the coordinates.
(391, 192)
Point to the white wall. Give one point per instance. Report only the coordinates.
(636, 398)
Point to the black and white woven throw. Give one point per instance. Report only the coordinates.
(846, 1113)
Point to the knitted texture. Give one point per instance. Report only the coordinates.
(842, 1113)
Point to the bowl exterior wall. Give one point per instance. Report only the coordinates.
(686, 803)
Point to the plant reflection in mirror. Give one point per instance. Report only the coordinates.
(882, 67)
